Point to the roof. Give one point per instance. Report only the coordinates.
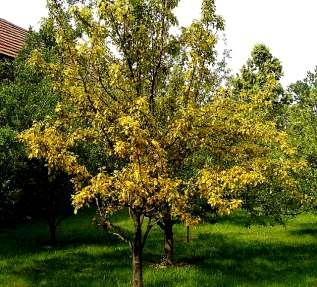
(12, 38)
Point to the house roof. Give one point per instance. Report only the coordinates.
(12, 38)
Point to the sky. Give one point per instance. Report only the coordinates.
(287, 27)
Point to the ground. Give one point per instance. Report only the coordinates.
(227, 254)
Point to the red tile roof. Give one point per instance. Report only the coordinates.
(12, 38)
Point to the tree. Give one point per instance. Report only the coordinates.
(26, 95)
(302, 127)
(11, 162)
(45, 197)
(259, 69)
(269, 200)
(146, 98)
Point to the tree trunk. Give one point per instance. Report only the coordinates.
(52, 233)
(51, 210)
(187, 234)
(168, 240)
(137, 256)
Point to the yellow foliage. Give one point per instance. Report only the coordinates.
(151, 103)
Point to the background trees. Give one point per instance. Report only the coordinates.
(269, 201)
(27, 95)
(302, 127)
(260, 69)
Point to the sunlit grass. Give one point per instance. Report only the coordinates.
(224, 254)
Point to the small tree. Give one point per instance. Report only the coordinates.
(45, 196)
(147, 98)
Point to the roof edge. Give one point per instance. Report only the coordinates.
(14, 25)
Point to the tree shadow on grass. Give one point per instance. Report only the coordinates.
(76, 269)
(17, 243)
(32, 238)
(251, 263)
(305, 229)
(87, 257)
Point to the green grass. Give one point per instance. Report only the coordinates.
(223, 254)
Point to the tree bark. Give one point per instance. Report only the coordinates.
(168, 240)
(137, 256)
(52, 233)
(51, 209)
(187, 234)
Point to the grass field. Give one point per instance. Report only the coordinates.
(223, 254)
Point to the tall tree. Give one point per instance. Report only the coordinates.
(259, 69)
(270, 200)
(146, 97)
(302, 127)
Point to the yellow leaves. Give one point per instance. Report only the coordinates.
(223, 187)
(282, 140)
(154, 111)
(121, 9)
(102, 7)
(232, 179)
(141, 104)
(131, 128)
(86, 13)
(100, 187)
(82, 198)
(81, 12)
(47, 142)
(133, 186)
(58, 108)
(120, 148)
(114, 71)
(128, 122)
(82, 47)
(37, 61)
(101, 183)
(30, 137)
(228, 207)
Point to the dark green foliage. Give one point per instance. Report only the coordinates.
(25, 96)
(302, 128)
(44, 196)
(261, 69)
(12, 161)
(6, 70)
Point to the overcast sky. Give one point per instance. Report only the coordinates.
(287, 27)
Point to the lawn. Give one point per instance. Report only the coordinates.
(223, 254)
